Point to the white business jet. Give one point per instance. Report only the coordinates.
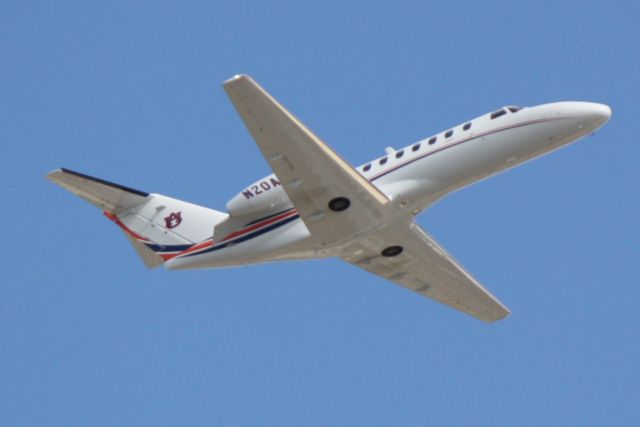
(316, 205)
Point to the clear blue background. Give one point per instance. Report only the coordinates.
(130, 92)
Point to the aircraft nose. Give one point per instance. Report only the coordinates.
(600, 114)
(595, 114)
(589, 116)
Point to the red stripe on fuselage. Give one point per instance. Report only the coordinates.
(206, 243)
(164, 256)
(196, 247)
(259, 225)
(238, 233)
(126, 229)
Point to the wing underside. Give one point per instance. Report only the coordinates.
(312, 174)
(424, 267)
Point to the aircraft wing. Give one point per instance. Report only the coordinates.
(312, 174)
(424, 267)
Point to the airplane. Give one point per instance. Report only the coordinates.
(316, 205)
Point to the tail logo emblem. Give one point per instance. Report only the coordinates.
(173, 220)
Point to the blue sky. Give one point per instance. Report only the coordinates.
(131, 93)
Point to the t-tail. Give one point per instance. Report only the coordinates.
(158, 227)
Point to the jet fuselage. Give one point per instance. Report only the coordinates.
(413, 178)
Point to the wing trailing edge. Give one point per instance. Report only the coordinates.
(423, 266)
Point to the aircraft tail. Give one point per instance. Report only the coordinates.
(158, 227)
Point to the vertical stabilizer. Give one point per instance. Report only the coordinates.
(159, 227)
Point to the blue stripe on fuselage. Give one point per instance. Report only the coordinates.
(246, 236)
(167, 248)
(267, 217)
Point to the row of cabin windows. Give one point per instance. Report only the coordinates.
(416, 147)
(447, 134)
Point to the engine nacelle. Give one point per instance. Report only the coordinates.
(262, 197)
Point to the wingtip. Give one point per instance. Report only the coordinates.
(236, 78)
(499, 317)
(53, 173)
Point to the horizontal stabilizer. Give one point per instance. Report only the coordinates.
(159, 227)
(104, 194)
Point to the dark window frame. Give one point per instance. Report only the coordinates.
(466, 126)
(449, 133)
(433, 140)
(383, 161)
(415, 147)
(366, 167)
(498, 113)
(399, 154)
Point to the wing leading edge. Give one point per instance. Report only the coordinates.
(312, 174)
(424, 267)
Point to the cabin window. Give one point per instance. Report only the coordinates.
(399, 154)
(448, 134)
(415, 147)
(433, 140)
(366, 167)
(383, 161)
(498, 113)
(467, 126)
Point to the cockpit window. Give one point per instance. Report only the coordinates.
(448, 134)
(366, 167)
(498, 113)
(514, 108)
(433, 140)
(383, 161)
(399, 154)
(415, 147)
(467, 126)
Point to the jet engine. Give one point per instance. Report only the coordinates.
(262, 197)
